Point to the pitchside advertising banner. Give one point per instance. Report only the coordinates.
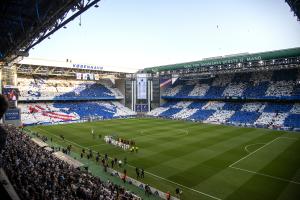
(12, 114)
(141, 86)
(141, 108)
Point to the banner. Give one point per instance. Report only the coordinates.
(12, 95)
(141, 86)
(78, 76)
(165, 82)
(91, 76)
(12, 114)
(141, 107)
(84, 76)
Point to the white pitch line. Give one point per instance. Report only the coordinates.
(253, 152)
(96, 145)
(191, 189)
(290, 138)
(61, 139)
(266, 175)
(205, 194)
(184, 131)
(249, 145)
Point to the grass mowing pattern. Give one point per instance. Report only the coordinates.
(198, 157)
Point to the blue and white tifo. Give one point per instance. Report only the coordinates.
(222, 99)
(254, 90)
(45, 100)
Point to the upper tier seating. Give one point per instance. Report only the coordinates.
(285, 75)
(41, 88)
(40, 113)
(215, 92)
(241, 78)
(280, 89)
(282, 84)
(256, 90)
(185, 90)
(199, 90)
(234, 90)
(173, 90)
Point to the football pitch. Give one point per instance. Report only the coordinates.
(206, 161)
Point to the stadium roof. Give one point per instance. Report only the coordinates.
(227, 60)
(295, 6)
(68, 65)
(25, 23)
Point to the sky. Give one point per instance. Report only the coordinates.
(134, 34)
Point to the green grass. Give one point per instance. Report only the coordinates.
(206, 161)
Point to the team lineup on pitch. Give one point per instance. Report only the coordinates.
(205, 161)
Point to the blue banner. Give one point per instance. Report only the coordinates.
(141, 107)
(12, 114)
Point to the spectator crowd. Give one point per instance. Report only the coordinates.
(36, 174)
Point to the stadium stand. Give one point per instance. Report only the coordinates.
(53, 112)
(282, 84)
(36, 173)
(243, 90)
(50, 100)
(201, 115)
(258, 114)
(44, 88)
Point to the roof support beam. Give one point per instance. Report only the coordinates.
(82, 10)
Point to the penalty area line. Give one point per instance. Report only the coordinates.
(249, 145)
(253, 152)
(266, 175)
(260, 149)
(185, 131)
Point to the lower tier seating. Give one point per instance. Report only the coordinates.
(54, 112)
(36, 173)
(258, 114)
